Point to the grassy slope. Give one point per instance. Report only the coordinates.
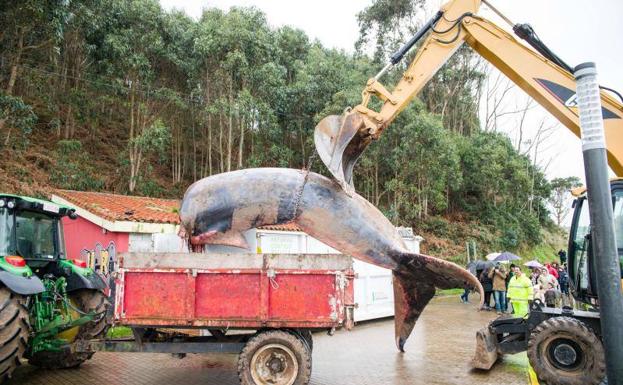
(546, 251)
(449, 242)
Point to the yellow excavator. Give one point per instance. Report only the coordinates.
(340, 140)
(564, 345)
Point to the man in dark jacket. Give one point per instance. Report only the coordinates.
(563, 256)
(563, 280)
(487, 285)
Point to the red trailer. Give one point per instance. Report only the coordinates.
(273, 301)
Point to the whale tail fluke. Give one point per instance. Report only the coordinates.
(415, 282)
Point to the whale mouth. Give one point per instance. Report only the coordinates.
(213, 237)
(203, 238)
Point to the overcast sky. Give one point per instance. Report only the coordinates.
(577, 30)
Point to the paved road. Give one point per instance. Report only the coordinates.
(438, 352)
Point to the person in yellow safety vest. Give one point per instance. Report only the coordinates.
(520, 292)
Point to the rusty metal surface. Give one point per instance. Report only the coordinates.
(235, 261)
(217, 209)
(486, 353)
(270, 296)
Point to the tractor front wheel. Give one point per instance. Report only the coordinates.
(86, 301)
(14, 330)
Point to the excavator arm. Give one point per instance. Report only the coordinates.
(340, 140)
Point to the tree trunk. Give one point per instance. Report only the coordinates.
(377, 198)
(241, 143)
(209, 124)
(209, 144)
(220, 141)
(12, 80)
(194, 149)
(132, 183)
(230, 126)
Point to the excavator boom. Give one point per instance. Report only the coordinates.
(340, 140)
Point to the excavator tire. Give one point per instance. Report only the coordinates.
(565, 351)
(86, 300)
(14, 331)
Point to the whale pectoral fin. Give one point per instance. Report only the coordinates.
(410, 298)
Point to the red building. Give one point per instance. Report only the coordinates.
(119, 222)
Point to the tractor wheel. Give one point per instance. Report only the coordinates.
(86, 301)
(14, 330)
(564, 351)
(275, 357)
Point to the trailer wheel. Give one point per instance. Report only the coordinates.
(564, 351)
(14, 330)
(275, 357)
(306, 337)
(86, 301)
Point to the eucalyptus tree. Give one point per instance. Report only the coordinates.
(129, 53)
(28, 28)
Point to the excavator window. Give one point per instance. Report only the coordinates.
(578, 252)
(618, 224)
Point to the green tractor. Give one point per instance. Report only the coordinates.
(47, 302)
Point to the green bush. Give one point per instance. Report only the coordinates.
(73, 170)
(19, 120)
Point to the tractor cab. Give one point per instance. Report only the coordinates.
(581, 264)
(31, 229)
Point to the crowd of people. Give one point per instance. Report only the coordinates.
(512, 289)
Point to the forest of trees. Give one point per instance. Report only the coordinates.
(120, 95)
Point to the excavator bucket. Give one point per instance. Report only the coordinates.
(340, 141)
(486, 349)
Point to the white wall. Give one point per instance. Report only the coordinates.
(158, 242)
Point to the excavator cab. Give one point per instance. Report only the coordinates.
(580, 263)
